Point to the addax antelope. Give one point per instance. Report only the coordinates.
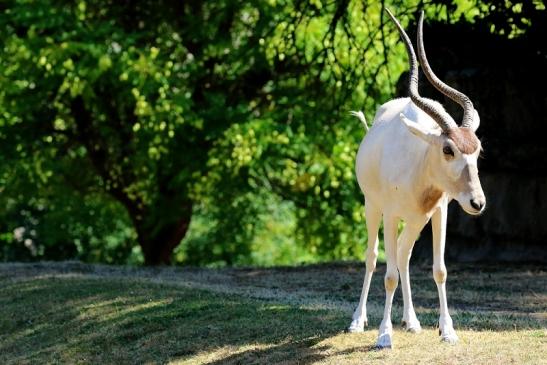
(412, 162)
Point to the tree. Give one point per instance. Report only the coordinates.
(136, 101)
(153, 111)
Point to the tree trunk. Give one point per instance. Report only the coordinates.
(158, 249)
(158, 233)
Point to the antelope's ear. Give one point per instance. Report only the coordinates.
(431, 136)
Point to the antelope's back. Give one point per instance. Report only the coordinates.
(389, 154)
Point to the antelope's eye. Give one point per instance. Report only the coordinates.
(448, 151)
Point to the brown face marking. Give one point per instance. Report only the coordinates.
(465, 139)
(429, 198)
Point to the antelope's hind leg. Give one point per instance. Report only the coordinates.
(373, 215)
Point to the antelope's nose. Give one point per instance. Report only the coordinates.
(478, 204)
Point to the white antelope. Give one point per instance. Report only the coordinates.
(410, 165)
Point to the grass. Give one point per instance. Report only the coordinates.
(75, 313)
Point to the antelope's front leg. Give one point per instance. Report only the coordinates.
(438, 223)
(406, 243)
(390, 281)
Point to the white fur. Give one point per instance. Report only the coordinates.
(361, 117)
(400, 158)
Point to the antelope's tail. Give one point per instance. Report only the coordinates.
(361, 117)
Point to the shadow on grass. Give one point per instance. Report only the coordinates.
(107, 321)
(304, 352)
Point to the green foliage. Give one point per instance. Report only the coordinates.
(120, 124)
